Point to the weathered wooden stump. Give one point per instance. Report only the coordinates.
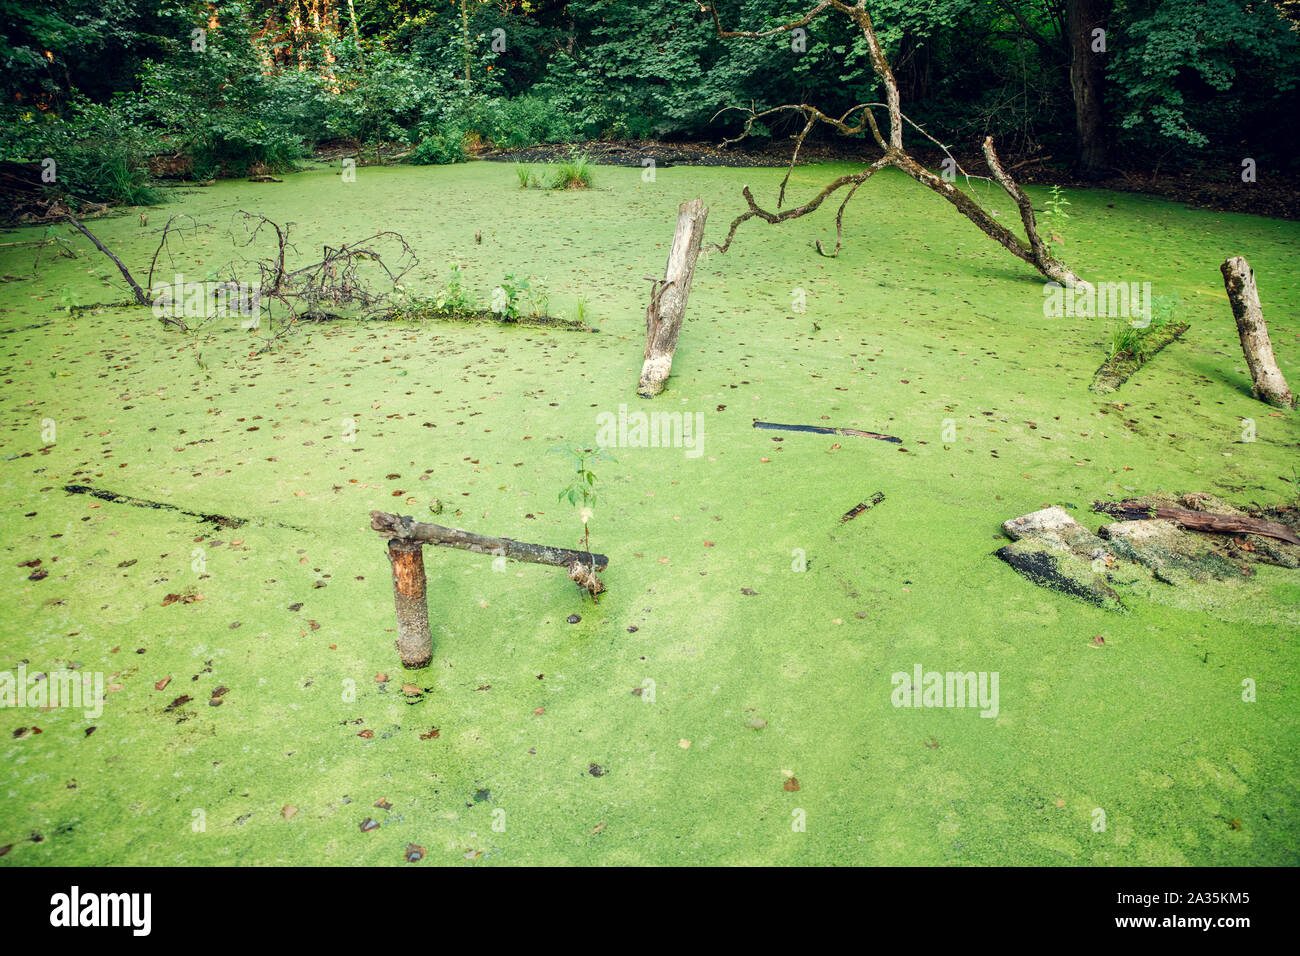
(1267, 381)
(667, 308)
(413, 640)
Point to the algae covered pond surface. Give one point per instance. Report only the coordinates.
(731, 698)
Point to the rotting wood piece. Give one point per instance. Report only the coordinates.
(1198, 520)
(407, 528)
(856, 510)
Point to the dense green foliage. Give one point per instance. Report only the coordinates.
(224, 87)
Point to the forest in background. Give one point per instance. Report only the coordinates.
(123, 91)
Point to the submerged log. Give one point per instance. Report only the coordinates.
(1267, 381)
(668, 297)
(827, 430)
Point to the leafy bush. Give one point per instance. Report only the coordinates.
(441, 148)
(100, 155)
(529, 120)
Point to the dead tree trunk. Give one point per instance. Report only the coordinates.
(413, 640)
(1031, 249)
(667, 308)
(1267, 381)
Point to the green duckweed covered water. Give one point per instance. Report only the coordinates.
(543, 752)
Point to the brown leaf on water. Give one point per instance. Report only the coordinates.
(288, 811)
(411, 689)
(414, 854)
(366, 734)
(178, 702)
(791, 785)
(598, 827)
(383, 804)
(430, 734)
(162, 684)
(368, 824)
(170, 599)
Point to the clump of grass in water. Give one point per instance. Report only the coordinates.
(1129, 342)
(580, 310)
(572, 173)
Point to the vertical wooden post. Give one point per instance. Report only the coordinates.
(413, 640)
(1266, 378)
(667, 307)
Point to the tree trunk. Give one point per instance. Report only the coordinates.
(1268, 383)
(668, 298)
(464, 35)
(413, 640)
(1087, 79)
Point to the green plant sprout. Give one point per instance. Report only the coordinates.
(452, 298)
(1056, 217)
(581, 491)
